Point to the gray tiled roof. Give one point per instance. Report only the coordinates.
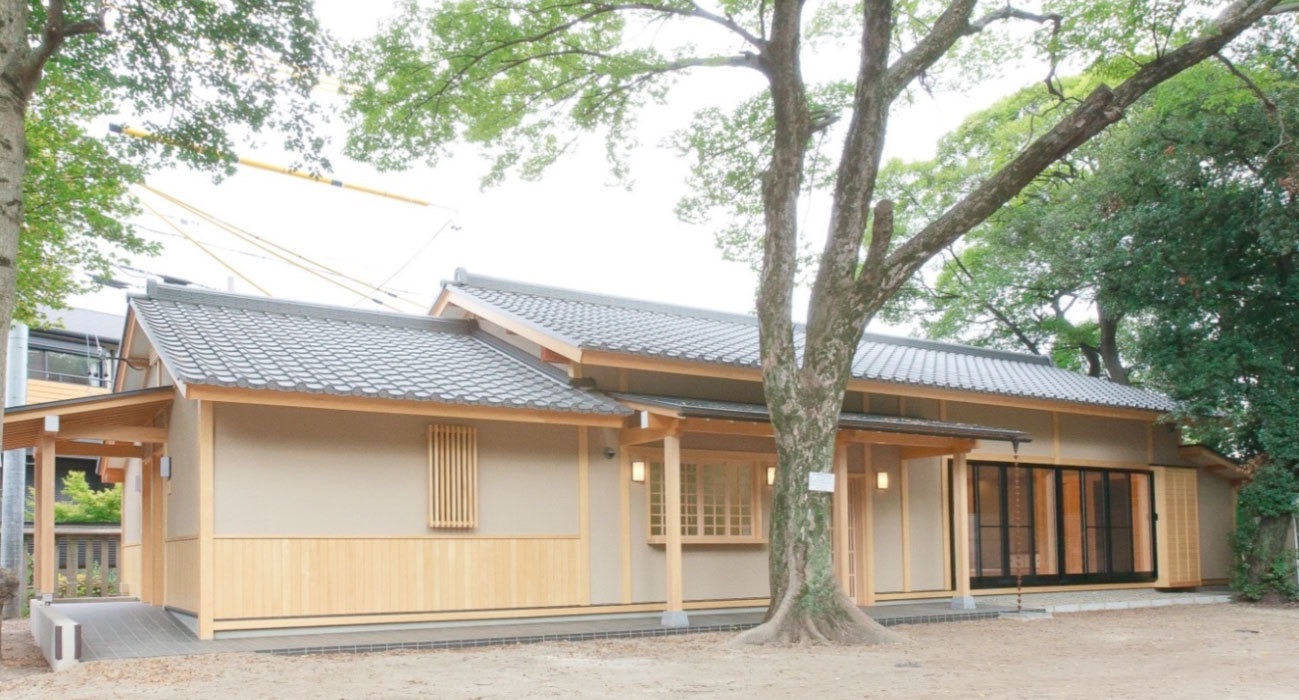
(218, 339)
(613, 324)
(707, 408)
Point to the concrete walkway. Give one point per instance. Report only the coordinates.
(128, 629)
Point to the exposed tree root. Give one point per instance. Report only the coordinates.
(844, 623)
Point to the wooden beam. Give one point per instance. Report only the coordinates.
(876, 437)
(548, 355)
(923, 452)
(297, 399)
(120, 433)
(674, 615)
(716, 426)
(514, 324)
(753, 374)
(71, 448)
(629, 437)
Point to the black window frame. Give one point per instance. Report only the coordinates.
(1062, 578)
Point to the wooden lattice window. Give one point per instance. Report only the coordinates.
(452, 476)
(719, 501)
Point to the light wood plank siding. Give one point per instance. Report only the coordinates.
(181, 573)
(453, 476)
(130, 569)
(266, 577)
(43, 391)
(1183, 527)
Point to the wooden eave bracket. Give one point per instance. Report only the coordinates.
(1214, 463)
(656, 427)
(510, 323)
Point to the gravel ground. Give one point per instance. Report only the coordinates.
(1198, 651)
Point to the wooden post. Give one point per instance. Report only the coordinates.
(674, 615)
(44, 548)
(148, 466)
(624, 516)
(584, 514)
(867, 570)
(206, 519)
(840, 513)
(904, 498)
(962, 600)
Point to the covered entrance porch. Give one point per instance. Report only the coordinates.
(899, 501)
(114, 428)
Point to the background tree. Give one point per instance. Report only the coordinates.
(521, 77)
(1183, 221)
(188, 70)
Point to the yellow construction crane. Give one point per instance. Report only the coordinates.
(141, 134)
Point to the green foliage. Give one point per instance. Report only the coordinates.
(1181, 222)
(84, 504)
(191, 72)
(1264, 556)
(89, 583)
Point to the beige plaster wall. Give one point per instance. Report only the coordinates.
(925, 515)
(182, 489)
(1106, 439)
(606, 517)
(1167, 439)
(294, 471)
(887, 517)
(1036, 423)
(132, 503)
(1217, 521)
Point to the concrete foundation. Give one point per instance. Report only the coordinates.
(675, 618)
(963, 602)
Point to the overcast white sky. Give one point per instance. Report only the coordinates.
(569, 230)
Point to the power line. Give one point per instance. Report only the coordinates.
(204, 248)
(282, 252)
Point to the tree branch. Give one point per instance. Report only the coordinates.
(949, 28)
(1268, 105)
(55, 32)
(1100, 109)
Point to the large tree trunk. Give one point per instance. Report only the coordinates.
(805, 386)
(808, 604)
(15, 90)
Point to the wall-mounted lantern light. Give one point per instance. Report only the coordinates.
(882, 481)
(771, 475)
(638, 471)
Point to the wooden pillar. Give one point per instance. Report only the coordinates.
(962, 600)
(904, 498)
(867, 569)
(674, 615)
(148, 557)
(584, 514)
(840, 513)
(624, 517)
(43, 546)
(206, 519)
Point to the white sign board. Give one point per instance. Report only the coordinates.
(820, 481)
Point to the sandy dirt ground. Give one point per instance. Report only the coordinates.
(1211, 651)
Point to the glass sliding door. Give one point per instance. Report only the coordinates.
(1051, 525)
